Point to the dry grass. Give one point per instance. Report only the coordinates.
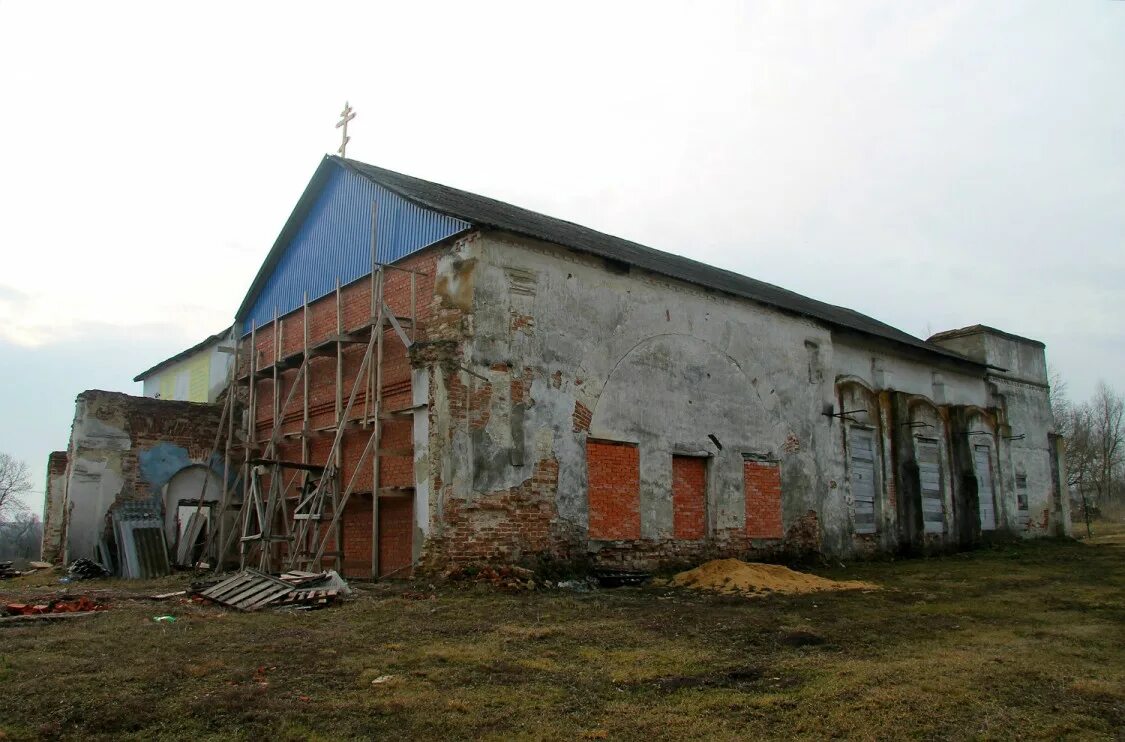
(1019, 641)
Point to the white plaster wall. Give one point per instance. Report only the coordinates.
(94, 478)
(590, 322)
(906, 374)
(420, 389)
(1029, 415)
(1021, 360)
(92, 486)
(663, 363)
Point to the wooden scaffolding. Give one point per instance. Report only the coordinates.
(290, 512)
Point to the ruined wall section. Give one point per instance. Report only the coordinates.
(126, 448)
(54, 508)
(560, 348)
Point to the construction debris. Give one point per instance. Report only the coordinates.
(86, 569)
(620, 578)
(508, 577)
(734, 577)
(81, 604)
(250, 590)
(7, 570)
(44, 617)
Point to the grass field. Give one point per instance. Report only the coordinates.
(1020, 641)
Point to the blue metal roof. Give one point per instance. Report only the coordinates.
(331, 238)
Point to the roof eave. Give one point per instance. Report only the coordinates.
(216, 338)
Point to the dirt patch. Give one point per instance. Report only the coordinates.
(733, 678)
(731, 576)
(801, 638)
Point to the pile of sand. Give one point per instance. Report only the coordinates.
(734, 577)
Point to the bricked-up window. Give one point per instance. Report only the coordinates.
(762, 482)
(689, 497)
(614, 477)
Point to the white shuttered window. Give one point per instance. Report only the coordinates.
(862, 445)
(982, 457)
(929, 469)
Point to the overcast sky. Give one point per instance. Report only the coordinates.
(933, 165)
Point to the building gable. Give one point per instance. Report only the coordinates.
(329, 238)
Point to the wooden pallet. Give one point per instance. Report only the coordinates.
(307, 597)
(248, 590)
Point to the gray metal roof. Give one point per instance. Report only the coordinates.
(486, 212)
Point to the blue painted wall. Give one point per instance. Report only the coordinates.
(335, 242)
(161, 462)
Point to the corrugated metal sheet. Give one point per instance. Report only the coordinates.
(334, 241)
(141, 550)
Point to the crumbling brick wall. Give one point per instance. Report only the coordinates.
(54, 508)
(126, 448)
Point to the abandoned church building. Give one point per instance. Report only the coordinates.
(425, 376)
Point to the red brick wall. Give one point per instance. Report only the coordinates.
(762, 480)
(396, 529)
(689, 499)
(356, 526)
(356, 311)
(613, 471)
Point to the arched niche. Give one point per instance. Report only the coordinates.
(980, 432)
(681, 389)
(859, 400)
(931, 453)
(859, 407)
(182, 494)
(676, 394)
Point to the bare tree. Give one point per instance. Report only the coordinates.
(14, 481)
(1061, 406)
(1095, 444)
(1076, 424)
(1108, 422)
(22, 537)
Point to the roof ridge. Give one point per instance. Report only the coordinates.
(485, 211)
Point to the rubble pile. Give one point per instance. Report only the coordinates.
(87, 569)
(8, 569)
(507, 577)
(80, 604)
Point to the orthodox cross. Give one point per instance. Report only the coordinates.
(345, 116)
